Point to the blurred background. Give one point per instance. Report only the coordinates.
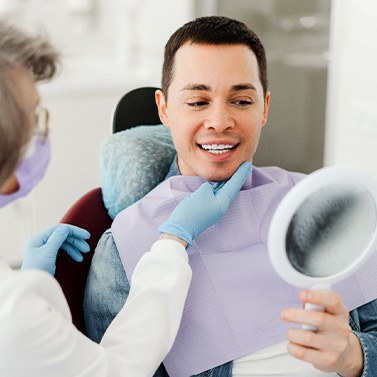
(321, 63)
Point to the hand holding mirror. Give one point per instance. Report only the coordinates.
(325, 228)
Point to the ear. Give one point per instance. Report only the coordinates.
(10, 186)
(162, 107)
(266, 107)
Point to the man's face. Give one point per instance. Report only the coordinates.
(215, 109)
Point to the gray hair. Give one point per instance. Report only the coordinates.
(36, 54)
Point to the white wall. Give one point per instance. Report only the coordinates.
(82, 99)
(351, 134)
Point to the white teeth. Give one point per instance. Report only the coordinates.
(217, 146)
(216, 151)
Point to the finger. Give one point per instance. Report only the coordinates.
(57, 238)
(320, 341)
(326, 361)
(318, 319)
(307, 338)
(330, 300)
(217, 186)
(77, 243)
(307, 354)
(234, 184)
(41, 238)
(75, 231)
(206, 190)
(73, 253)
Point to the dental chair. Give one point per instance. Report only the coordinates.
(136, 107)
(90, 213)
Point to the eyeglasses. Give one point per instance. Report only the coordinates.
(42, 117)
(40, 131)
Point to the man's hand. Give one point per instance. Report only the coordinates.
(333, 347)
(206, 206)
(41, 250)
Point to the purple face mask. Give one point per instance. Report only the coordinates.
(30, 171)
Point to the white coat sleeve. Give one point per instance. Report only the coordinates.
(37, 337)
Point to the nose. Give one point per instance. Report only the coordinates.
(219, 118)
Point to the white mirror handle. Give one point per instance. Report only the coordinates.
(309, 306)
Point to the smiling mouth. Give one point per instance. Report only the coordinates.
(217, 148)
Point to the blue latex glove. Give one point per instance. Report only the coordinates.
(205, 206)
(41, 250)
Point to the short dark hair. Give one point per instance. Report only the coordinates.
(213, 30)
(36, 54)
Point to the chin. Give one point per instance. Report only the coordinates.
(217, 175)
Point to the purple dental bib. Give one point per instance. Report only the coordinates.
(235, 298)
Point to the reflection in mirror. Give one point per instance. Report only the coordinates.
(331, 229)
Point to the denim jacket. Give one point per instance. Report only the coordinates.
(108, 288)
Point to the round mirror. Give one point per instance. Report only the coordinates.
(325, 227)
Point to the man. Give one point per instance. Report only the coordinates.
(37, 337)
(215, 101)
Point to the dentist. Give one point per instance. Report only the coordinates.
(37, 337)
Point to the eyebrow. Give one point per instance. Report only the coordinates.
(206, 88)
(239, 87)
(198, 87)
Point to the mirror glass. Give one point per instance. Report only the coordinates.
(330, 229)
(325, 228)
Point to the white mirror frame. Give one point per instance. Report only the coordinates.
(288, 207)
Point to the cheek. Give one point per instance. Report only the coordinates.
(183, 132)
(255, 135)
(252, 136)
(180, 139)
(251, 127)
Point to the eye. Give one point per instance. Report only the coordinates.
(242, 102)
(197, 104)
